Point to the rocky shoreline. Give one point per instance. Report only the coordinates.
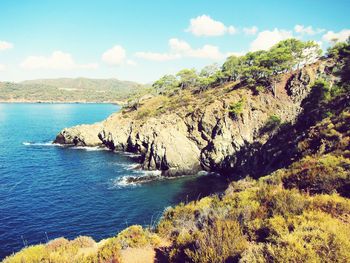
(208, 138)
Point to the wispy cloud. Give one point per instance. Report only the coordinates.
(5, 45)
(340, 36)
(58, 60)
(250, 30)
(307, 30)
(181, 49)
(204, 25)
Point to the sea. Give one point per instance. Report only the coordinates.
(49, 191)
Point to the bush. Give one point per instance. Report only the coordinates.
(324, 174)
(223, 241)
(136, 236)
(32, 254)
(272, 123)
(321, 90)
(57, 251)
(334, 205)
(311, 237)
(109, 252)
(259, 89)
(236, 109)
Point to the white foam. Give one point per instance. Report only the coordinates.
(129, 154)
(89, 148)
(152, 172)
(202, 173)
(50, 143)
(123, 182)
(148, 175)
(133, 166)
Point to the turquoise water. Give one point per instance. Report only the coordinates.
(48, 191)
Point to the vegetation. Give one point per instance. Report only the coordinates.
(85, 249)
(259, 221)
(258, 71)
(299, 213)
(237, 108)
(258, 68)
(272, 123)
(319, 174)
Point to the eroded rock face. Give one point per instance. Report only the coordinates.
(163, 143)
(209, 138)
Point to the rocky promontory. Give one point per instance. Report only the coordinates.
(185, 139)
(191, 131)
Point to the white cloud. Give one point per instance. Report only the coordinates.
(2, 67)
(250, 30)
(206, 26)
(177, 45)
(340, 36)
(57, 60)
(231, 30)
(114, 56)
(179, 49)
(301, 29)
(207, 51)
(5, 45)
(131, 62)
(266, 39)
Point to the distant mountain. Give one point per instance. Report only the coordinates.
(69, 90)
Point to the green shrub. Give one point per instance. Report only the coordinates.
(272, 123)
(259, 89)
(236, 109)
(321, 90)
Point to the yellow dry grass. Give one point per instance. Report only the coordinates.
(138, 255)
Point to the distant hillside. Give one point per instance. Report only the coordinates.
(69, 90)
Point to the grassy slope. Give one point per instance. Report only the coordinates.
(69, 90)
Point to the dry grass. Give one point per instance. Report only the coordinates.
(138, 255)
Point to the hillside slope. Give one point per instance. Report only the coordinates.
(69, 90)
(214, 129)
(298, 210)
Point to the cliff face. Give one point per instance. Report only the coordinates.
(208, 136)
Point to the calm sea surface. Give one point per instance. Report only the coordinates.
(49, 191)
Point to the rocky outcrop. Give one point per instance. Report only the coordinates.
(82, 135)
(209, 138)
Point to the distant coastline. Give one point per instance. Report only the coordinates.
(19, 101)
(70, 90)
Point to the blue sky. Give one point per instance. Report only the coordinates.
(142, 40)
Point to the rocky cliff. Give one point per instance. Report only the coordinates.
(183, 138)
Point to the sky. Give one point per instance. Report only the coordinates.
(143, 40)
